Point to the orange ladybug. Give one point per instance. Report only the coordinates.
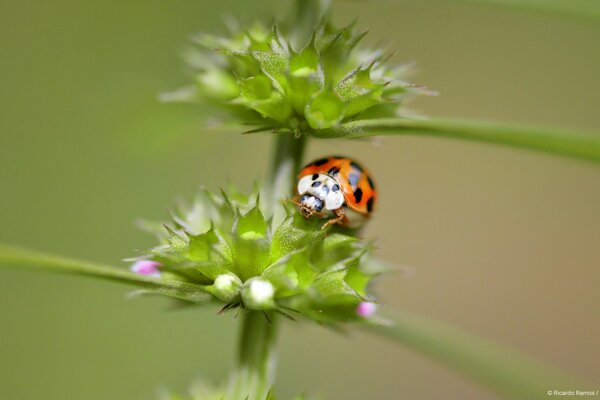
(339, 186)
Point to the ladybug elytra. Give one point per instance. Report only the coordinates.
(339, 186)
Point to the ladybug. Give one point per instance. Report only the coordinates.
(339, 186)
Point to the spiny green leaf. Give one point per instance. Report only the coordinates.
(291, 236)
(332, 283)
(333, 249)
(325, 110)
(217, 83)
(252, 225)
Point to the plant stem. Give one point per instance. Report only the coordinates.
(17, 257)
(305, 18)
(257, 357)
(287, 160)
(572, 144)
(506, 371)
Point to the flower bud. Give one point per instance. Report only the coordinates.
(147, 268)
(226, 287)
(257, 294)
(365, 309)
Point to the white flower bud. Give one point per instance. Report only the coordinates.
(226, 287)
(258, 294)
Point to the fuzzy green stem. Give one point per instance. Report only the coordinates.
(286, 162)
(257, 357)
(511, 374)
(561, 142)
(304, 18)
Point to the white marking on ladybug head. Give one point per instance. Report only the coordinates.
(322, 187)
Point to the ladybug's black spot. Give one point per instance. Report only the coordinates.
(371, 183)
(353, 179)
(333, 171)
(316, 184)
(358, 167)
(370, 204)
(335, 187)
(315, 176)
(320, 161)
(358, 195)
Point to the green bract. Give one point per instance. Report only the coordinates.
(257, 76)
(225, 245)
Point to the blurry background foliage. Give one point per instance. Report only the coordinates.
(504, 241)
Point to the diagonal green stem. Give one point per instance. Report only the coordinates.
(14, 256)
(572, 144)
(506, 371)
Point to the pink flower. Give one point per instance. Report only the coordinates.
(366, 309)
(147, 268)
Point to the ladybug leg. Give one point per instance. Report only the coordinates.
(293, 200)
(339, 218)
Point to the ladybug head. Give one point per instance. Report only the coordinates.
(310, 205)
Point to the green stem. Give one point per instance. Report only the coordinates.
(17, 257)
(567, 143)
(286, 162)
(257, 358)
(305, 18)
(506, 371)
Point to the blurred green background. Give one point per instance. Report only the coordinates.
(505, 243)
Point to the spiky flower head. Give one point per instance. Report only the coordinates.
(259, 78)
(225, 246)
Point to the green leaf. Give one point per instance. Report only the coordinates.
(217, 83)
(332, 284)
(357, 279)
(275, 107)
(572, 144)
(292, 235)
(306, 62)
(256, 88)
(325, 110)
(252, 225)
(506, 371)
(334, 248)
(274, 63)
(291, 274)
(14, 256)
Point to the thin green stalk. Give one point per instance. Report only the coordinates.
(506, 371)
(17, 257)
(257, 357)
(572, 144)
